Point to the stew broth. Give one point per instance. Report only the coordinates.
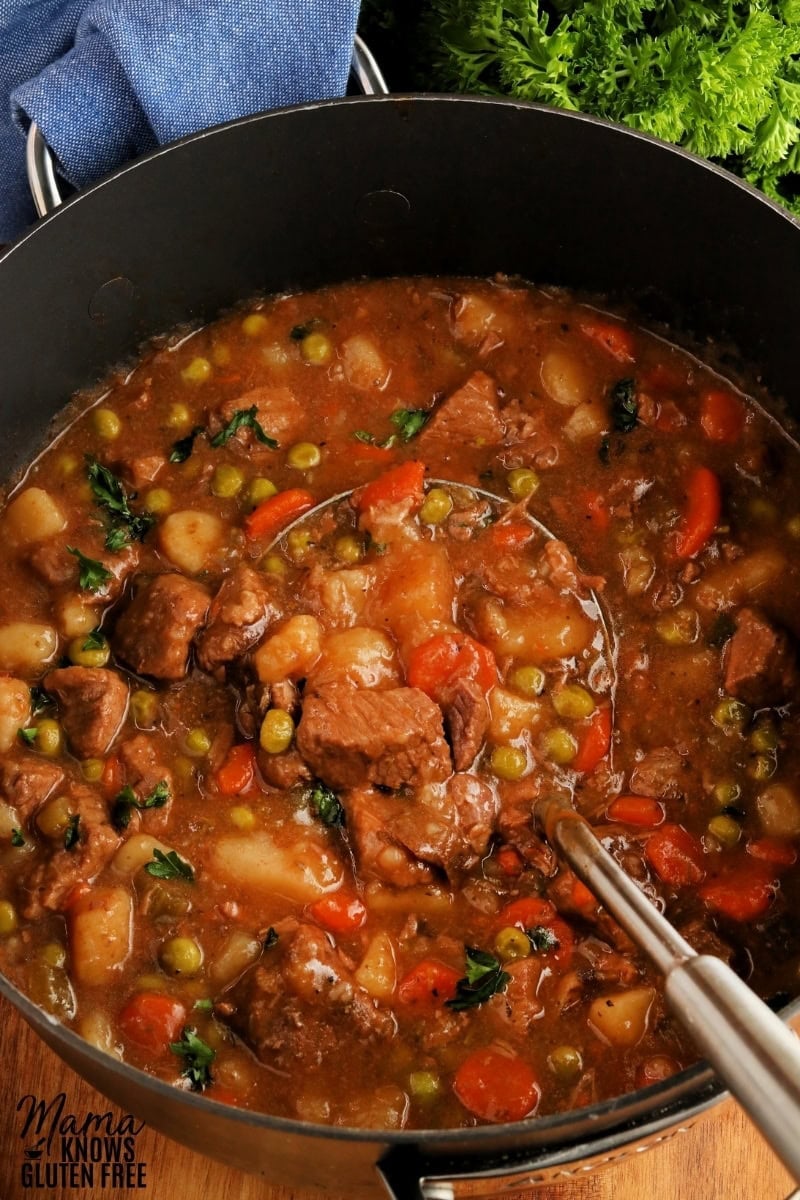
(267, 771)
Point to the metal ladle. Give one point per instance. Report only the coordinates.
(747, 1044)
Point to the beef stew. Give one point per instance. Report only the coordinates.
(267, 769)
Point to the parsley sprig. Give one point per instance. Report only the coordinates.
(127, 801)
(92, 575)
(197, 1058)
(326, 803)
(408, 422)
(624, 406)
(542, 939)
(72, 833)
(243, 418)
(184, 446)
(485, 977)
(125, 526)
(720, 79)
(169, 866)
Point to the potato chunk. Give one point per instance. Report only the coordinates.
(303, 871)
(364, 365)
(365, 658)
(291, 652)
(15, 710)
(193, 541)
(33, 516)
(512, 715)
(100, 932)
(27, 646)
(730, 584)
(557, 628)
(135, 852)
(621, 1017)
(565, 378)
(377, 971)
(779, 811)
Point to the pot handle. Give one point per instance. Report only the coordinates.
(43, 180)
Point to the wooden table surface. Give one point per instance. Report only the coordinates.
(720, 1158)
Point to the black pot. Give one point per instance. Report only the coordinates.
(385, 186)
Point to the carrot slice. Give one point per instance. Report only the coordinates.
(594, 505)
(526, 913)
(636, 810)
(743, 893)
(403, 482)
(341, 912)
(446, 657)
(616, 339)
(236, 773)
(721, 416)
(509, 535)
(702, 512)
(428, 983)
(676, 856)
(151, 1020)
(270, 516)
(595, 741)
(581, 898)
(509, 860)
(496, 1086)
(774, 851)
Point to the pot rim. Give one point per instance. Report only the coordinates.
(681, 1097)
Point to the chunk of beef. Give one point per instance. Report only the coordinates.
(350, 737)
(760, 661)
(515, 826)
(282, 770)
(558, 565)
(92, 702)
(471, 411)
(278, 411)
(51, 881)
(301, 1003)
(705, 940)
(27, 784)
(286, 695)
(659, 773)
(52, 561)
(466, 720)
(246, 604)
(606, 964)
(144, 771)
(519, 1005)
(378, 854)
(154, 634)
(400, 840)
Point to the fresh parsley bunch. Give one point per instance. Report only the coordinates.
(722, 80)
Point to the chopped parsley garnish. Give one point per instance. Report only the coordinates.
(542, 938)
(624, 406)
(71, 834)
(127, 801)
(95, 641)
(327, 805)
(28, 736)
(39, 699)
(91, 573)
(203, 1005)
(604, 451)
(184, 446)
(409, 421)
(723, 628)
(197, 1058)
(298, 332)
(16, 838)
(124, 525)
(169, 866)
(243, 418)
(485, 977)
(270, 938)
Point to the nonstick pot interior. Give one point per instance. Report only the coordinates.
(397, 185)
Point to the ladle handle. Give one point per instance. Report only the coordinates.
(749, 1047)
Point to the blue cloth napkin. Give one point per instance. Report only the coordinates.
(111, 79)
